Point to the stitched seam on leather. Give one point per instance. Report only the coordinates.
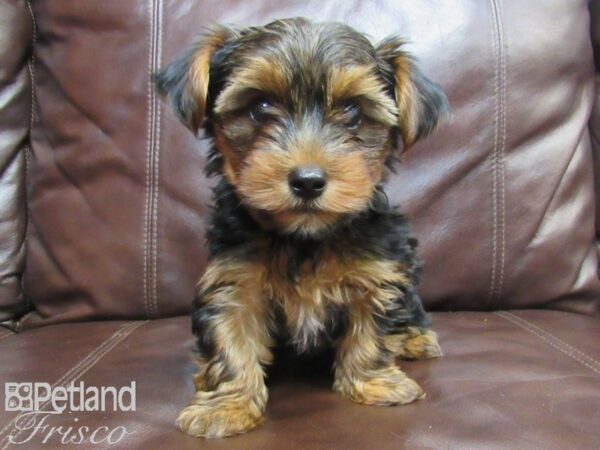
(503, 76)
(150, 214)
(553, 337)
(498, 189)
(494, 156)
(551, 340)
(74, 373)
(27, 149)
(150, 93)
(150, 243)
(31, 64)
(158, 52)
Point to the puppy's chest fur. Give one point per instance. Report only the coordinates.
(309, 286)
(311, 308)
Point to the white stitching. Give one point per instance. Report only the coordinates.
(557, 339)
(32, 65)
(501, 150)
(150, 93)
(28, 149)
(494, 161)
(158, 51)
(149, 203)
(151, 155)
(545, 337)
(77, 371)
(152, 161)
(498, 187)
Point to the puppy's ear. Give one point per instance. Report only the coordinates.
(420, 101)
(186, 80)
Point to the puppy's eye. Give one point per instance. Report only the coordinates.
(352, 115)
(260, 111)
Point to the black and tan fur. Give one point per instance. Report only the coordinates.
(339, 270)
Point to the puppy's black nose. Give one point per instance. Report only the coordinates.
(307, 182)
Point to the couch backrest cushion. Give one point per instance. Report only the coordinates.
(501, 196)
(15, 117)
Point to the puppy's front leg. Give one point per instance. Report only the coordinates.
(365, 371)
(231, 320)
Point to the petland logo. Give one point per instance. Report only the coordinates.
(40, 404)
(41, 397)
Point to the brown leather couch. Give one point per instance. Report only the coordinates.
(103, 203)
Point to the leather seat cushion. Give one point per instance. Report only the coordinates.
(522, 379)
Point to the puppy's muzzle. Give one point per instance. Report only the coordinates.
(307, 182)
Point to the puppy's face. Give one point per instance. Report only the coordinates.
(304, 116)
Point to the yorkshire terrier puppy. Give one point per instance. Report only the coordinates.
(304, 120)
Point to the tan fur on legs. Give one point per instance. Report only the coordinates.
(364, 372)
(231, 395)
(385, 387)
(225, 412)
(416, 343)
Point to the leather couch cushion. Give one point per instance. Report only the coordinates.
(15, 118)
(523, 379)
(501, 197)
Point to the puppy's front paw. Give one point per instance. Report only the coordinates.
(415, 343)
(216, 417)
(388, 388)
(422, 346)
